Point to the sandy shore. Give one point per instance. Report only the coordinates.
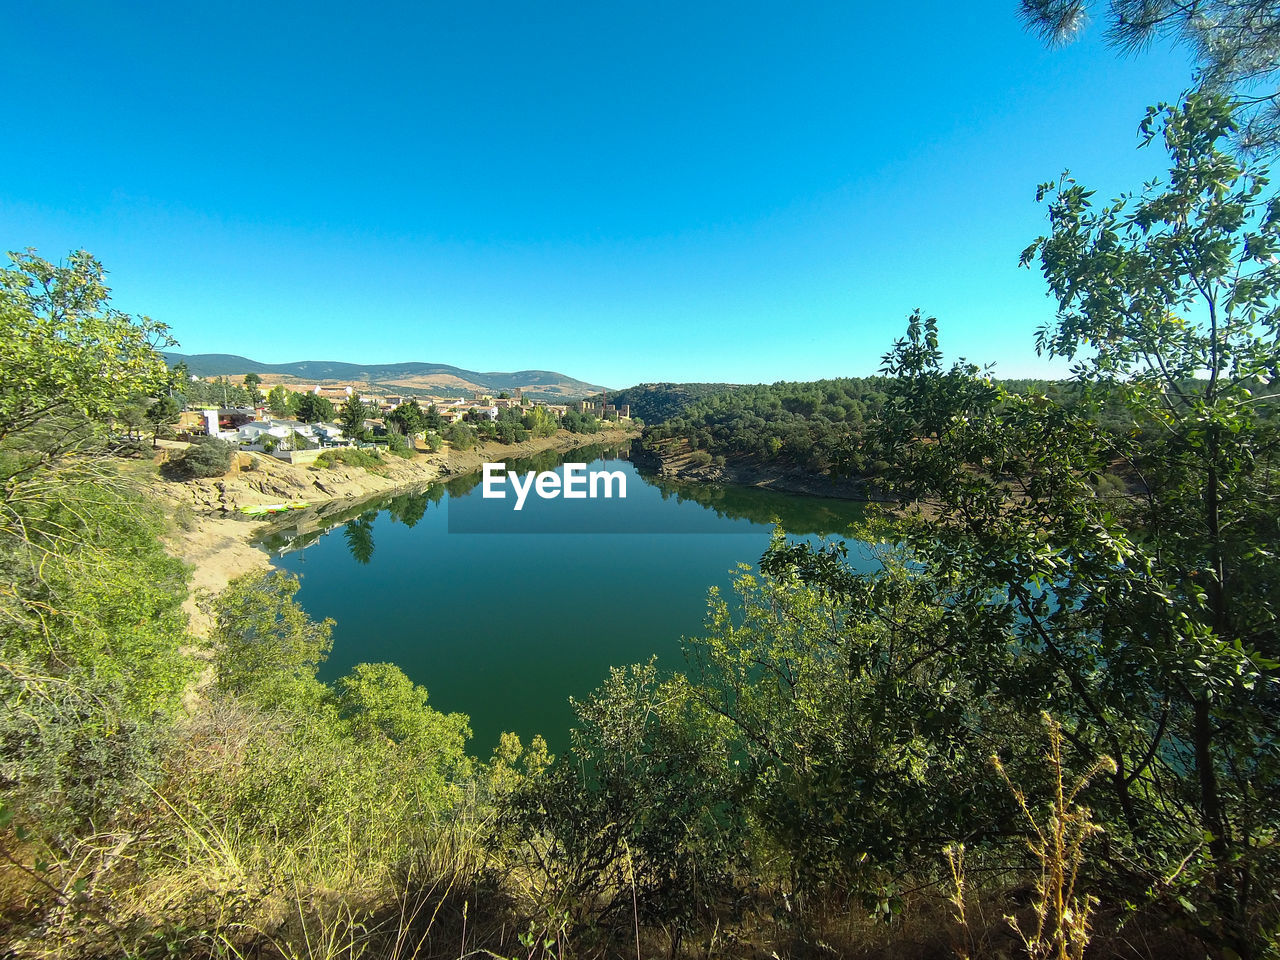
(213, 537)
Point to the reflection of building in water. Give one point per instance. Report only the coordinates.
(307, 527)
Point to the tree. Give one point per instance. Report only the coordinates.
(540, 422)
(1172, 298)
(352, 416)
(1236, 44)
(408, 417)
(205, 457)
(835, 700)
(1147, 623)
(163, 411)
(378, 700)
(280, 401)
(91, 620)
(461, 436)
(265, 647)
(311, 408)
(637, 819)
(66, 352)
(251, 381)
(131, 416)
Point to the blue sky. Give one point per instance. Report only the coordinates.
(621, 192)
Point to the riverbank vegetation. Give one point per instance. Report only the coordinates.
(1046, 722)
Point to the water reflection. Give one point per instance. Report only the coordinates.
(507, 627)
(799, 515)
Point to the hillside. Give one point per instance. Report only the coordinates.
(410, 376)
(656, 402)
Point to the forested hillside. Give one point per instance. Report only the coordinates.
(832, 426)
(655, 402)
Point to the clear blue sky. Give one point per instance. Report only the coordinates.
(621, 192)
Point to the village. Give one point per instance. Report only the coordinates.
(298, 439)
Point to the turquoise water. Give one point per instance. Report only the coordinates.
(506, 625)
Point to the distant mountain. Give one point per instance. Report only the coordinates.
(420, 377)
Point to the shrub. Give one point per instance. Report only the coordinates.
(399, 445)
(206, 457)
(349, 457)
(461, 436)
(637, 815)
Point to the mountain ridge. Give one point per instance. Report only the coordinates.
(411, 375)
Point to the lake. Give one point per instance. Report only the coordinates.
(504, 616)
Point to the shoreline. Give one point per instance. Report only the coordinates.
(214, 538)
(678, 464)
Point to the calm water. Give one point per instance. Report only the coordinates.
(506, 626)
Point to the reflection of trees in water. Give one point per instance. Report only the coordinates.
(461, 486)
(409, 508)
(550, 459)
(800, 515)
(359, 536)
(305, 529)
(538, 462)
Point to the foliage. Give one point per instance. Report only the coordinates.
(510, 426)
(836, 695)
(265, 647)
(576, 422)
(1236, 45)
(282, 402)
(66, 352)
(368, 754)
(408, 418)
(637, 815)
(814, 425)
(655, 402)
(349, 457)
(398, 444)
(352, 416)
(91, 629)
(379, 702)
(1172, 299)
(205, 457)
(90, 608)
(131, 416)
(312, 408)
(540, 422)
(219, 393)
(162, 411)
(461, 436)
